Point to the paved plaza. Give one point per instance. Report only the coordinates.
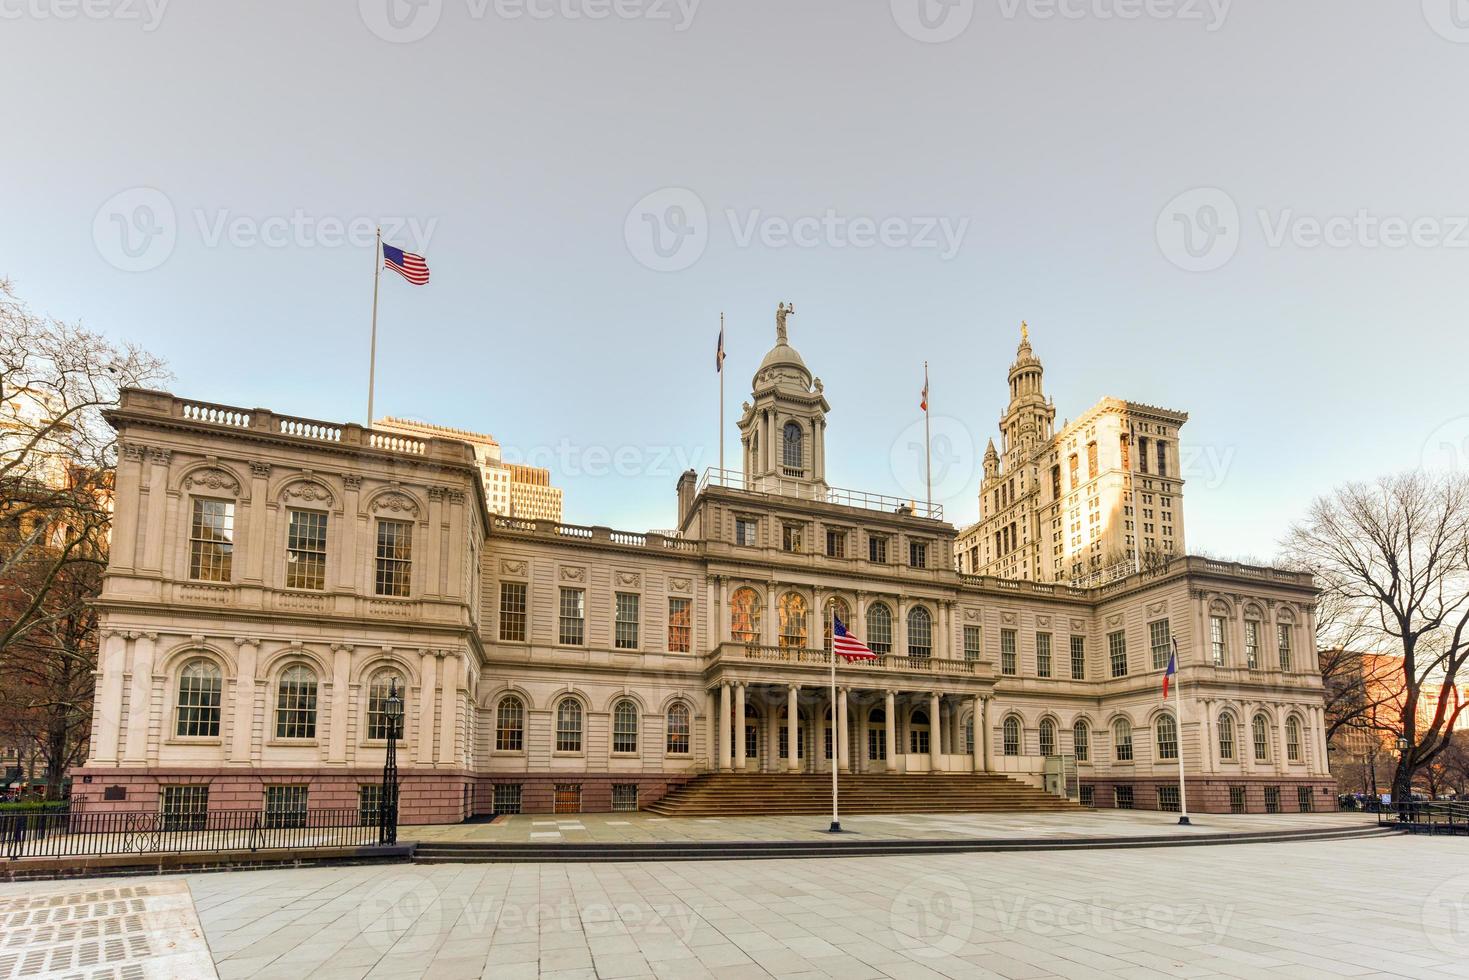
(1387, 906)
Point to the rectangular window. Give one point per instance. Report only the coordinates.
(573, 617)
(917, 741)
(1124, 797)
(918, 554)
(877, 549)
(568, 797)
(1168, 798)
(1117, 652)
(1272, 799)
(369, 803)
(626, 637)
(211, 540)
(971, 642)
(745, 531)
(1236, 799)
(1008, 663)
(184, 807)
(306, 550)
(1089, 796)
(394, 557)
(877, 744)
(1282, 638)
(1252, 644)
(1043, 655)
(285, 806)
(790, 538)
(624, 797)
(1219, 649)
(1304, 801)
(1078, 658)
(1091, 461)
(1162, 458)
(680, 625)
(836, 544)
(512, 611)
(507, 797)
(1158, 637)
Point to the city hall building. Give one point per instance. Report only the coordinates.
(271, 577)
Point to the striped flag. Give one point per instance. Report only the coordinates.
(719, 350)
(924, 404)
(1172, 669)
(406, 264)
(846, 645)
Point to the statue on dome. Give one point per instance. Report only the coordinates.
(781, 312)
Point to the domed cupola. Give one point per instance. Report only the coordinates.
(784, 431)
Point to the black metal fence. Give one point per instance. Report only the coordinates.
(77, 833)
(1427, 818)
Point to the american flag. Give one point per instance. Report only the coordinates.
(846, 645)
(406, 264)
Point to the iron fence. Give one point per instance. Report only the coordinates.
(1426, 818)
(75, 834)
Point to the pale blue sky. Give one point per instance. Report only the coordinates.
(527, 143)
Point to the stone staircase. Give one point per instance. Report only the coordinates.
(775, 794)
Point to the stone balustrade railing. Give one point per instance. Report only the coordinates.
(809, 656)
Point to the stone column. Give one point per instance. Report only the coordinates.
(982, 736)
(428, 681)
(976, 707)
(890, 730)
(1322, 768)
(243, 742)
(125, 518)
(773, 761)
(772, 621)
(843, 752)
(157, 508)
(140, 699)
(724, 724)
(934, 728)
(448, 707)
(432, 581)
(793, 755)
(108, 709)
(711, 715)
(458, 546)
(738, 733)
(341, 701)
(900, 629)
(351, 573)
(255, 526)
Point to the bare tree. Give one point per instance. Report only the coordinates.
(57, 459)
(1392, 561)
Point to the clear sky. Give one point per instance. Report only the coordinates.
(1254, 212)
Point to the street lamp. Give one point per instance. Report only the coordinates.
(1404, 798)
(387, 828)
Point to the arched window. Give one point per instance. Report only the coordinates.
(1167, 737)
(1122, 740)
(792, 609)
(1260, 733)
(792, 454)
(679, 728)
(510, 725)
(385, 682)
(836, 605)
(1012, 735)
(1226, 737)
(1293, 739)
(920, 633)
(625, 726)
(744, 615)
(295, 703)
(1081, 741)
(879, 629)
(198, 706)
(568, 725)
(1048, 737)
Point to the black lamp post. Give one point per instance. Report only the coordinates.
(387, 829)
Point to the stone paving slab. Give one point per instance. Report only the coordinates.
(604, 828)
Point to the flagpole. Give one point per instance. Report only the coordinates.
(836, 750)
(1137, 515)
(720, 481)
(1183, 819)
(927, 441)
(377, 273)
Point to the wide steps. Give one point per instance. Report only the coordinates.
(774, 794)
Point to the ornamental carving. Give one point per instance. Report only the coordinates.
(397, 503)
(1114, 620)
(455, 496)
(1009, 619)
(573, 574)
(630, 579)
(1043, 622)
(260, 470)
(512, 567)
(1157, 608)
(971, 615)
(304, 491)
(1077, 625)
(680, 584)
(352, 481)
(212, 479)
(133, 451)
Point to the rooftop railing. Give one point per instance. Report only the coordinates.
(651, 540)
(781, 486)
